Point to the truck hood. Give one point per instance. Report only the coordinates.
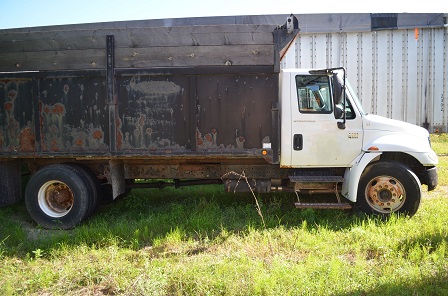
(380, 123)
(384, 134)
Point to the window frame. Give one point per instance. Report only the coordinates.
(308, 97)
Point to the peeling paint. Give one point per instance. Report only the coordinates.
(54, 144)
(71, 114)
(98, 134)
(240, 142)
(58, 135)
(86, 139)
(58, 109)
(175, 114)
(9, 107)
(79, 142)
(12, 94)
(155, 89)
(150, 122)
(27, 140)
(52, 121)
(66, 88)
(210, 141)
(69, 117)
(119, 133)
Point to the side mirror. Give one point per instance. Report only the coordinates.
(337, 88)
(339, 96)
(338, 112)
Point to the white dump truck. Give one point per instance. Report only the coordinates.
(87, 109)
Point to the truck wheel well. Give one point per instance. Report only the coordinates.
(408, 161)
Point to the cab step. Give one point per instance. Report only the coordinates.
(323, 206)
(318, 182)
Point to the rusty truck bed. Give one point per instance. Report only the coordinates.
(94, 91)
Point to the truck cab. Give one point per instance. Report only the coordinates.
(310, 119)
(323, 126)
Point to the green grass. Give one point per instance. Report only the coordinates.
(439, 143)
(201, 241)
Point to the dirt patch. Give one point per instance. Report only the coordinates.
(32, 230)
(440, 191)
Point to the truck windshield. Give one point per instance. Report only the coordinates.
(355, 98)
(313, 93)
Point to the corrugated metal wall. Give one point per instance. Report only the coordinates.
(397, 73)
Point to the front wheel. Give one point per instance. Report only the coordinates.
(388, 187)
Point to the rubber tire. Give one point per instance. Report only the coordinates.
(400, 173)
(89, 176)
(75, 181)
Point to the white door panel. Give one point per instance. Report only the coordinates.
(315, 138)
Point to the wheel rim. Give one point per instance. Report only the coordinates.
(55, 199)
(385, 194)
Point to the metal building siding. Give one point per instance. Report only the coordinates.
(395, 74)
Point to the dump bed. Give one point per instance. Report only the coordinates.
(139, 89)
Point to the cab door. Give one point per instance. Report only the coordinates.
(313, 136)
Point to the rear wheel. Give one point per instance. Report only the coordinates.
(388, 187)
(90, 178)
(59, 196)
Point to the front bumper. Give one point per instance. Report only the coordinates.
(430, 178)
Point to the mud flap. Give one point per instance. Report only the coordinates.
(117, 178)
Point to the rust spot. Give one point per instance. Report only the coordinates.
(8, 106)
(98, 134)
(54, 145)
(208, 141)
(79, 142)
(46, 109)
(199, 141)
(119, 139)
(208, 138)
(27, 140)
(58, 108)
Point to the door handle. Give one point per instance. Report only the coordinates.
(298, 142)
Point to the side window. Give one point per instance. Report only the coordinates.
(313, 93)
